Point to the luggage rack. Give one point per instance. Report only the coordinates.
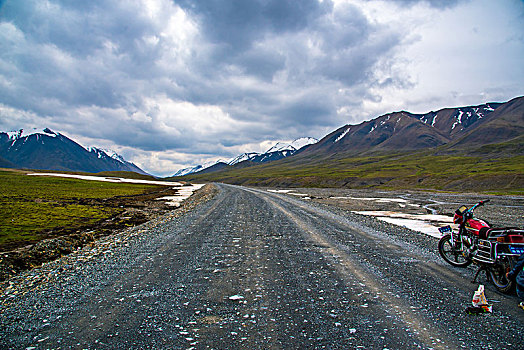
(489, 251)
(493, 247)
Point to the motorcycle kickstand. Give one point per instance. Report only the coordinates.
(480, 269)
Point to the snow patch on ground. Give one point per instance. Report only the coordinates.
(425, 223)
(341, 136)
(290, 192)
(110, 179)
(401, 202)
(299, 194)
(183, 193)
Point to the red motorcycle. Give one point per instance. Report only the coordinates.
(494, 250)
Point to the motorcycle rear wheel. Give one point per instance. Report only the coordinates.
(497, 274)
(451, 254)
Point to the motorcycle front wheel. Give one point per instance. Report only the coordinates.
(451, 253)
(497, 274)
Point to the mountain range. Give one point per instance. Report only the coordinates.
(470, 148)
(49, 150)
(462, 127)
(278, 151)
(491, 131)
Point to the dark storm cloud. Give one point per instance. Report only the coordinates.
(239, 23)
(64, 24)
(309, 112)
(262, 62)
(245, 32)
(77, 54)
(309, 45)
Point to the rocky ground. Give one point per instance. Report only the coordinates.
(254, 269)
(501, 211)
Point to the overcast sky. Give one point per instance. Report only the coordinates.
(173, 83)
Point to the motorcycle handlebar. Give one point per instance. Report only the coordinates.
(478, 205)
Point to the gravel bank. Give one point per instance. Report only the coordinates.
(138, 209)
(48, 272)
(501, 211)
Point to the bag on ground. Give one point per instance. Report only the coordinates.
(479, 299)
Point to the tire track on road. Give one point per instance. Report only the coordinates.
(438, 291)
(352, 271)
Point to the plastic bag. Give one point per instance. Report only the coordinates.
(479, 299)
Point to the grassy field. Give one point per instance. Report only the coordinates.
(423, 170)
(32, 205)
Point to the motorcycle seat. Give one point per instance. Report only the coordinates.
(484, 232)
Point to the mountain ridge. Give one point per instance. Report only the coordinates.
(405, 131)
(49, 150)
(279, 151)
(473, 148)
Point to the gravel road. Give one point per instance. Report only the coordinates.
(250, 269)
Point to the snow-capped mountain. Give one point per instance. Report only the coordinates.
(189, 170)
(464, 127)
(278, 151)
(196, 168)
(293, 146)
(303, 142)
(401, 144)
(280, 147)
(243, 157)
(102, 153)
(17, 134)
(50, 150)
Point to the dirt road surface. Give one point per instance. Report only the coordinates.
(251, 269)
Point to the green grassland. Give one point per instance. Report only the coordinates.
(31, 205)
(421, 170)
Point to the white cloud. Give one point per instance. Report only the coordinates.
(468, 54)
(180, 118)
